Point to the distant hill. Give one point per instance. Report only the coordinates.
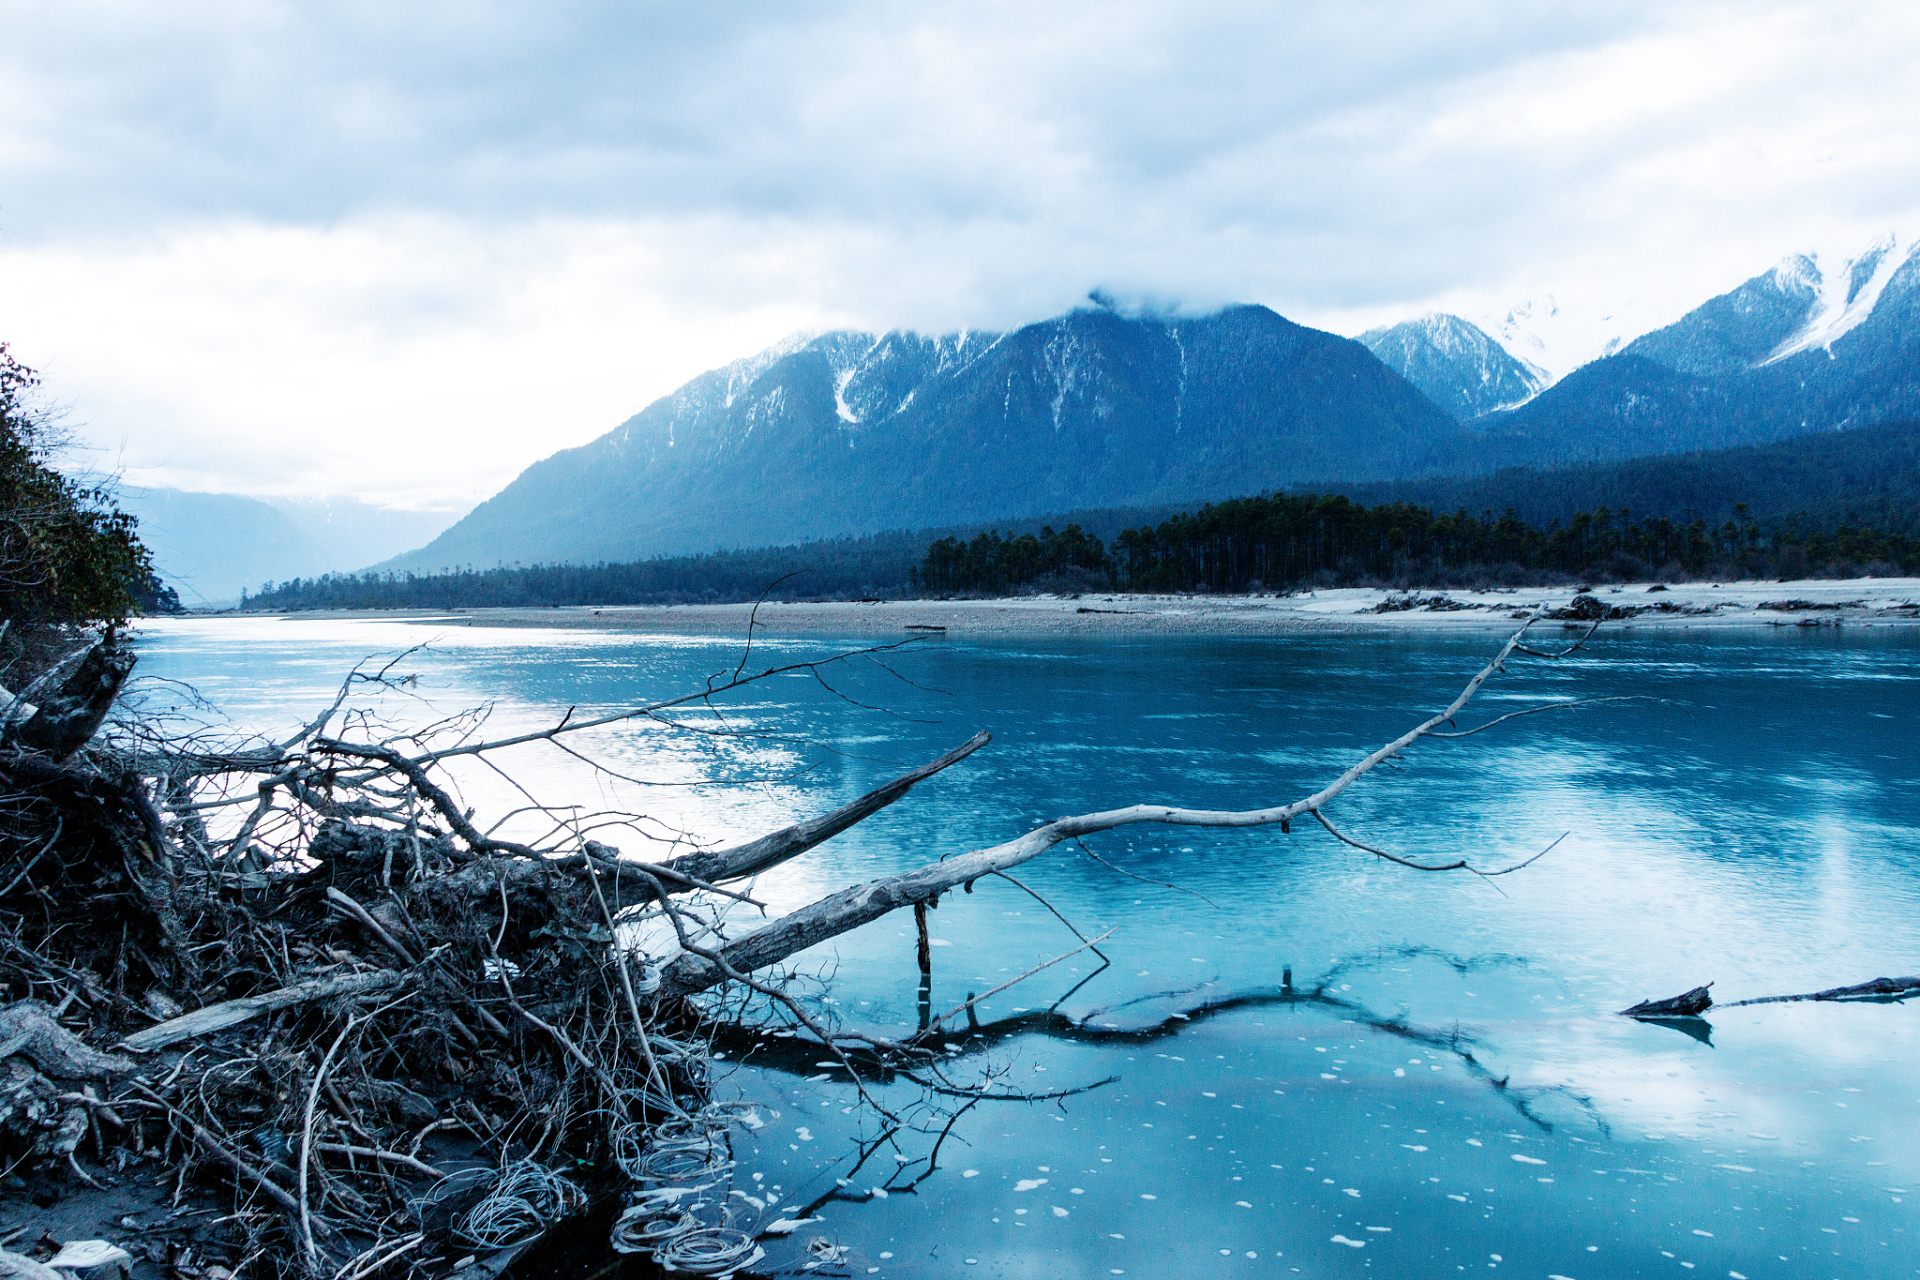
(1456, 365)
(850, 433)
(1866, 477)
(211, 546)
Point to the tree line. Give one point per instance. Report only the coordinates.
(1283, 541)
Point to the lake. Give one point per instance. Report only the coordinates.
(1316, 1063)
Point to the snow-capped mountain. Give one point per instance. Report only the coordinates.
(1791, 351)
(1456, 365)
(848, 433)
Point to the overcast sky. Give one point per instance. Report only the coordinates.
(403, 250)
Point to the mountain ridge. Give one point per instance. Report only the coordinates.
(845, 432)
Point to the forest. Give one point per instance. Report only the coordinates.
(1280, 542)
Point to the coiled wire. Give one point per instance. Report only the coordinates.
(526, 1198)
(709, 1251)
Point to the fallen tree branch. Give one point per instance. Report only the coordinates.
(228, 1013)
(861, 904)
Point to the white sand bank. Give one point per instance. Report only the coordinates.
(1854, 602)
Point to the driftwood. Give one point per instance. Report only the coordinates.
(1690, 1004)
(27, 1027)
(1877, 989)
(231, 1013)
(63, 718)
(1685, 1005)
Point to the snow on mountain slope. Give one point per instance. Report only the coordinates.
(1456, 365)
(1846, 298)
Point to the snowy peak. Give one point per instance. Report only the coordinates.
(1739, 329)
(1552, 339)
(1845, 300)
(1456, 365)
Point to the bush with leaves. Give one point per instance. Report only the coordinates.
(69, 558)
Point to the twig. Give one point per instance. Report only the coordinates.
(1142, 879)
(205, 1138)
(933, 1027)
(376, 1153)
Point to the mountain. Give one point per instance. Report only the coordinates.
(211, 546)
(1865, 477)
(208, 546)
(1790, 352)
(352, 533)
(1456, 365)
(848, 433)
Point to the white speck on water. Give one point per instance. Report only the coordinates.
(1226, 1253)
(1400, 1071)
(1028, 1184)
(1352, 1191)
(1411, 1147)
(879, 1193)
(938, 942)
(1354, 1244)
(1209, 1095)
(1475, 1142)
(803, 1133)
(1526, 1159)
(1461, 1199)
(1148, 1196)
(1058, 1212)
(1076, 1191)
(1115, 1235)
(1379, 1228)
(970, 1173)
(1737, 1168)
(1243, 1204)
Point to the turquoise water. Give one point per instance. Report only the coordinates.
(1442, 1087)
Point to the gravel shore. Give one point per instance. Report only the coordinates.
(1848, 602)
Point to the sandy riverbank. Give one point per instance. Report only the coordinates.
(1850, 602)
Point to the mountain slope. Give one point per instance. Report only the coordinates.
(1788, 353)
(1456, 365)
(848, 433)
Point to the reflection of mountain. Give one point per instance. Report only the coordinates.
(850, 432)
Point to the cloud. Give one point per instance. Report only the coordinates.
(252, 239)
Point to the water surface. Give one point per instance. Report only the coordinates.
(1441, 1087)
